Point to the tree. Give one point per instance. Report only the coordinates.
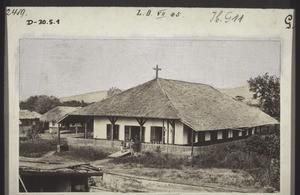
(40, 104)
(113, 91)
(266, 89)
(73, 103)
(45, 103)
(29, 104)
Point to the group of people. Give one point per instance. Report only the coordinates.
(127, 145)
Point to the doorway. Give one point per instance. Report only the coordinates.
(133, 133)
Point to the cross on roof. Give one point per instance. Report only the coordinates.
(156, 69)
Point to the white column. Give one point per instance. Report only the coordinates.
(196, 136)
(230, 134)
(240, 133)
(121, 132)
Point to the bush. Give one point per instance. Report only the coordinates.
(258, 155)
(36, 148)
(85, 153)
(33, 132)
(154, 159)
(136, 146)
(267, 145)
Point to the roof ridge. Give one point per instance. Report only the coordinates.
(185, 82)
(165, 93)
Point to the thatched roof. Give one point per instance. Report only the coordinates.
(26, 114)
(199, 106)
(56, 113)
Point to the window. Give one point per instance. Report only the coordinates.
(249, 131)
(213, 135)
(201, 136)
(244, 133)
(115, 132)
(235, 133)
(225, 134)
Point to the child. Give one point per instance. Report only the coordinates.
(131, 147)
(122, 146)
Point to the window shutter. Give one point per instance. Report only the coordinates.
(108, 135)
(152, 134)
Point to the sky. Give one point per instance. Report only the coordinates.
(64, 67)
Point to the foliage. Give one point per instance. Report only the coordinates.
(29, 104)
(85, 153)
(267, 89)
(113, 91)
(40, 104)
(266, 145)
(37, 147)
(136, 146)
(258, 155)
(74, 103)
(33, 132)
(154, 159)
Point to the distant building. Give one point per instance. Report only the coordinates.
(27, 119)
(171, 112)
(56, 113)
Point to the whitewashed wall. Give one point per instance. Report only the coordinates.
(179, 133)
(219, 135)
(230, 133)
(101, 122)
(207, 136)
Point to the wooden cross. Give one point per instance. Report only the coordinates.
(156, 69)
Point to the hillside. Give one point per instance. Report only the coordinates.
(86, 97)
(242, 91)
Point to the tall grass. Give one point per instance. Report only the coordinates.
(154, 159)
(85, 153)
(258, 155)
(37, 147)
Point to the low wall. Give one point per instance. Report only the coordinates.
(176, 149)
(198, 150)
(166, 148)
(93, 143)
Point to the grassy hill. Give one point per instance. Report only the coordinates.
(242, 91)
(86, 97)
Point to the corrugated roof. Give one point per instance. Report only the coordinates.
(199, 106)
(26, 114)
(56, 113)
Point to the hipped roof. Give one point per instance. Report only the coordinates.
(56, 113)
(26, 114)
(199, 106)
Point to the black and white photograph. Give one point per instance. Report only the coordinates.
(149, 114)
